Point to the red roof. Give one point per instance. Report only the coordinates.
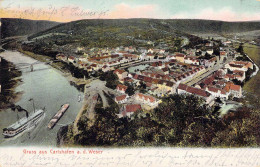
(146, 97)
(133, 107)
(198, 91)
(182, 86)
(121, 87)
(120, 98)
(136, 76)
(147, 79)
(209, 80)
(119, 71)
(71, 57)
(236, 65)
(235, 87)
(179, 55)
(213, 89)
(222, 52)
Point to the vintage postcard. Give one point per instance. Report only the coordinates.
(171, 83)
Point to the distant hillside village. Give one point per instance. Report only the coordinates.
(159, 73)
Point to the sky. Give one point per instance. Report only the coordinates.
(69, 10)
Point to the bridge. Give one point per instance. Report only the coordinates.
(30, 65)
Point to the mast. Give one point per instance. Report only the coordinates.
(31, 68)
(33, 104)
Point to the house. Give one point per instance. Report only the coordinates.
(105, 68)
(121, 99)
(209, 99)
(147, 99)
(191, 60)
(165, 70)
(150, 50)
(237, 74)
(208, 62)
(130, 109)
(72, 59)
(150, 56)
(94, 67)
(223, 55)
(210, 51)
(239, 65)
(59, 56)
(121, 88)
(130, 57)
(81, 64)
(83, 59)
(209, 44)
(89, 69)
(121, 73)
(180, 57)
(235, 90)
(166, 87)
(217, 92)
(240, 75)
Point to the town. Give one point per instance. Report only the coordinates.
(146, 75)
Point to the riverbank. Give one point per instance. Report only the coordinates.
(57, 65)
(9, 80)
(65, 133)
(50, 90)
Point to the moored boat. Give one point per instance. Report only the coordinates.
(57, 116)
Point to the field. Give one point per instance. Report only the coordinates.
(252, 86)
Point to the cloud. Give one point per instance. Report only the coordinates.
(225, 14)
(141, 11)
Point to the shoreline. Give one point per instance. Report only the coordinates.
(56, 67)
(13, 96)
(61, 138)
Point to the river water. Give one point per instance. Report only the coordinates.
(49, 89)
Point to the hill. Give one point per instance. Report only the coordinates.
(17, 27)
(184, 25)
(113, 32)
(212, 26)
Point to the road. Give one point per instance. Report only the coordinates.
(92, 91)
(200, 77)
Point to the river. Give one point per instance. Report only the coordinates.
(49, 89)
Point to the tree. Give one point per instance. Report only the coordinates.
(130, 90)
(240, 49)
(111, 79)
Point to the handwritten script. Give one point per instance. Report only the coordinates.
(166, 157)
(52, 12)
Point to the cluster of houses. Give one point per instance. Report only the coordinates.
(139, 98)
(221, 83)
(166, 73)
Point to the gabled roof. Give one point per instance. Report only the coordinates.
(119, 71)
(121, 87)
(179, 55)
(198, 92)
(235, 87)
(120, 98)
(133, 107)
(182, 86)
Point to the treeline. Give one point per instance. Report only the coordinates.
(40, 48)
(7, 82)
(178, 121)
(75, 71)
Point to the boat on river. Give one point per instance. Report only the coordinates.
(23, 124)
(79, 98)
(58, 115)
